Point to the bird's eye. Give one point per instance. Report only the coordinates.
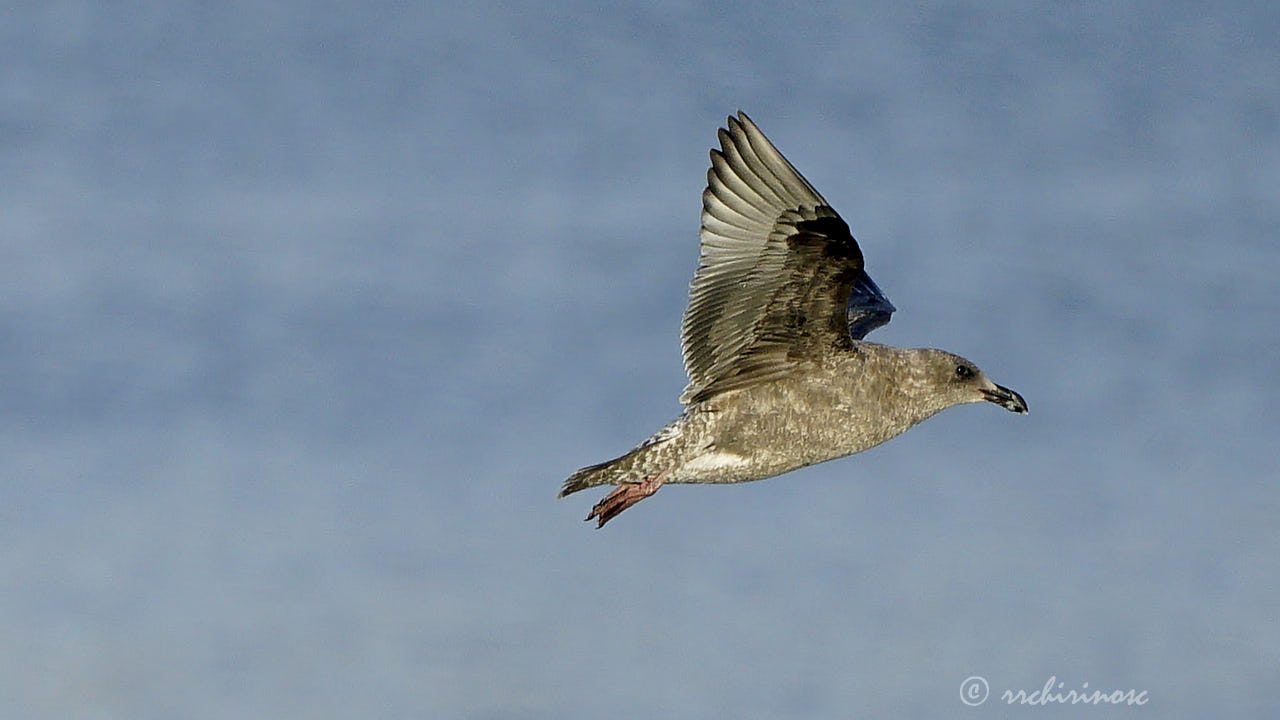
(964, 372)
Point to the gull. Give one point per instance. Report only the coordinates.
(780, 376)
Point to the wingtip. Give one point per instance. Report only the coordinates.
(742, 121)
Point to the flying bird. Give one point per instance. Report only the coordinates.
(780, 376)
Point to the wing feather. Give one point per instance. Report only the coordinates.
(780, 279)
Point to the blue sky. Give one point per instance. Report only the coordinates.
(309, 308)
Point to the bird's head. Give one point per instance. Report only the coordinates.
(958, 381)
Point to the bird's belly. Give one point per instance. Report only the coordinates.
(725, 466)
(714, 463)
(763, 446)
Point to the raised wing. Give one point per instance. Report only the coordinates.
(780, 278)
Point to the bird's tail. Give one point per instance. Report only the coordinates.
(612, 472)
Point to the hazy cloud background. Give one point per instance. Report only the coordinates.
(306, 309)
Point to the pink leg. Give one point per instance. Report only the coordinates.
(624, 496)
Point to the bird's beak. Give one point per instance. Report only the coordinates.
(1005, 398)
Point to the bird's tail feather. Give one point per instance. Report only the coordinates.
(612, 472)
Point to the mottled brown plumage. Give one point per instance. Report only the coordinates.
(779, 375)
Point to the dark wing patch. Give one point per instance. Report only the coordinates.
(868, 307)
